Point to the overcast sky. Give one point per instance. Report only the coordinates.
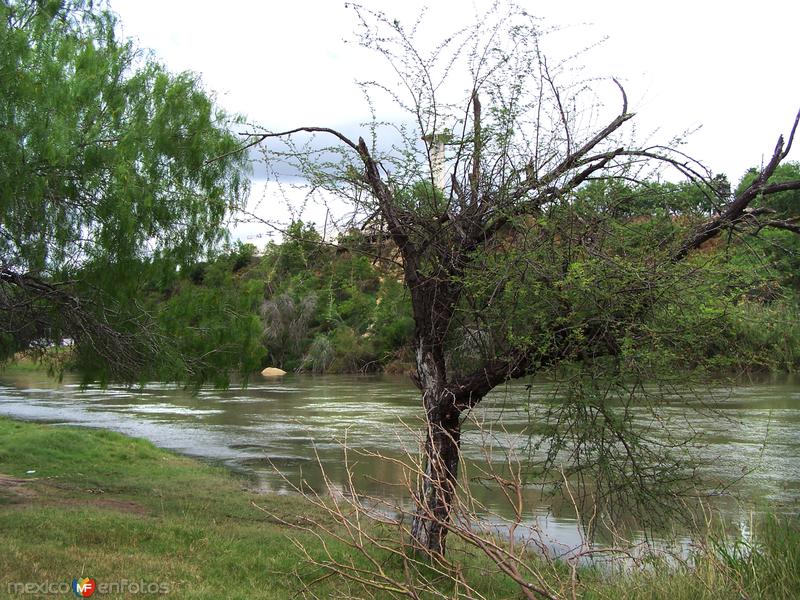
(729, 68)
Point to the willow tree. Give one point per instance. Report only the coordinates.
(499, 192)
(105, 171)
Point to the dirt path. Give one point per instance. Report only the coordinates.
(17, 492)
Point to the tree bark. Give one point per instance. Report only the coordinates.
(437, 489)
(442, 454)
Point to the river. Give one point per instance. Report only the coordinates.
(750, 434)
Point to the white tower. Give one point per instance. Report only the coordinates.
(436, 142)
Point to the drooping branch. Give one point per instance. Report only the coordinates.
(22, 297)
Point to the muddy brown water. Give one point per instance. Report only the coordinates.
(749, 436)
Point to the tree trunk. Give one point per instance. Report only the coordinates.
(442, 453)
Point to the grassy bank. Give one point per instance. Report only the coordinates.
(118, 509)
(113, 508)
(52, 362)
(23, 364)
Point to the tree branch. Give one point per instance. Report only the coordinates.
(736, 208)
(572, 160)
(787, 224)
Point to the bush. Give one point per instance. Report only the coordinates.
(320, 355)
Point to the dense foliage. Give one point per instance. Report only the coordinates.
(304, 305)
(301, 306)
(106, 173)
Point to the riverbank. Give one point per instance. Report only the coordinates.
(91, 503)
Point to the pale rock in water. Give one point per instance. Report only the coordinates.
(273, 372)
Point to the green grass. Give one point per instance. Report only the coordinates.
(110, 507)
(23, 365)
(114, 508)
(52, 361)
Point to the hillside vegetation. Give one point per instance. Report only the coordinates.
(312, 306)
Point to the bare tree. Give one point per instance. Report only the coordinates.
(480, 191)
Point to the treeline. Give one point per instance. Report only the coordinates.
(308, 306)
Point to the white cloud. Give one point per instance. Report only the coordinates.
(726, 67)
(273, 206)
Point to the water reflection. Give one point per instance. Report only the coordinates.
(750, 429)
